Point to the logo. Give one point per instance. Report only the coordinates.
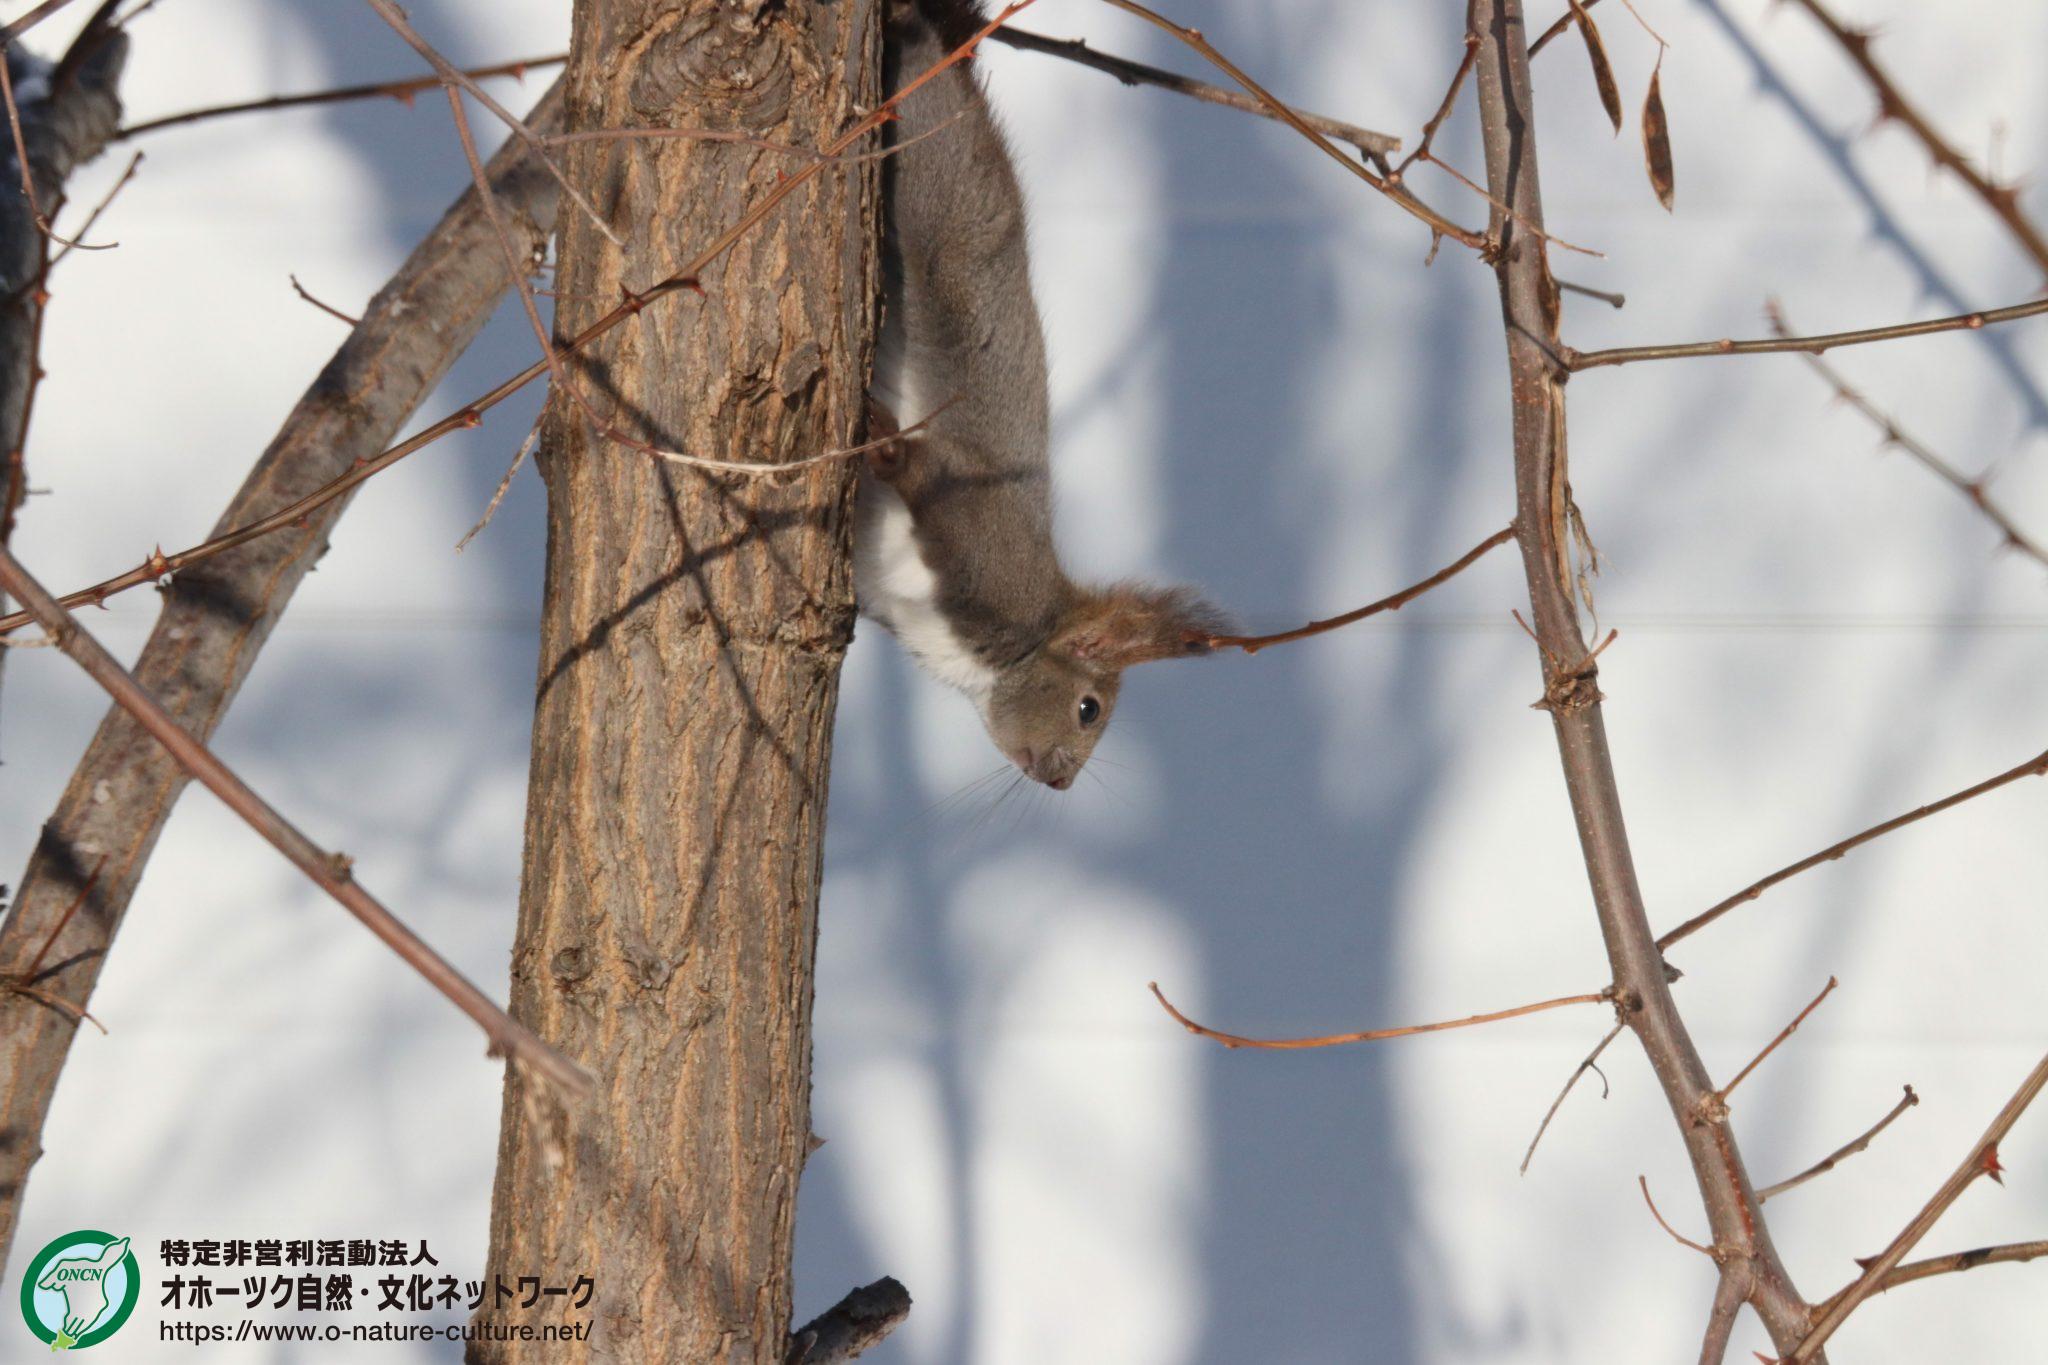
(80, 1289)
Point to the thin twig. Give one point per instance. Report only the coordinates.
(326, 308)
(28, 184)
(1610, 299)
(498, 494)
(2033, 767)
(1731, 1291)
(2003, 200)
(1137, 73)
(106, 201)
(1438, 224)
(1676, 1235)
(1842, 1153)
(1252, 644)
(1772, 1046)
(402, 91)
(1973, 490)
(1590, 1064)
(35, 964)
(1444, 107)
(328, 871)
(29, 21)
(2008, 1254)
(1811, 345)
(1982, 1160)
(1233, 1040)
(452, 75)
(1563, 22)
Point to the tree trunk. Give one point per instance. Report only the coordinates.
(690, 647)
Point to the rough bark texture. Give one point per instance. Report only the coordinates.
(215, 619)
(690, 647)
(63, 127)
(1529, 308)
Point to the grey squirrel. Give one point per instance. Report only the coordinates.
(953, 547)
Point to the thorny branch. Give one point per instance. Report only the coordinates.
(1842, 1153)
(1982, 1161)
(2012, 1253)
(2003, 200)
(328, 871)
(2033, 767)
(1232, 1040)
(1972, 489)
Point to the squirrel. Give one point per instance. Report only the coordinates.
(953, 543)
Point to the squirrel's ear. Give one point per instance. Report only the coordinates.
(1129, 624)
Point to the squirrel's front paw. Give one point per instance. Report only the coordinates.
(891, 447)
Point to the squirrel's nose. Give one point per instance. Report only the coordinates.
(1060, 784)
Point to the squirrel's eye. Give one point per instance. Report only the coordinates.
(1091, 710)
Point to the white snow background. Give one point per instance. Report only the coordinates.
(1258, 387)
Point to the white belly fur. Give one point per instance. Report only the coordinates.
(896, 588)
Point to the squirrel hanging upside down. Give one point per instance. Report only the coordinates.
(953, 549)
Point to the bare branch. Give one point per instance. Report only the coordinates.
(855, 1324)
(402, 91)
(2033, 767)
(1232, 1040)
(1137, 73)
(1772, 1046)
(1544, 520)
(2009, 1254)
(329, 871)
(1813, 345)
(1842, 1153)
(2002, 200)
(1438, 224)
(1252, 644)
(1731, 1291)
(1894, 435)
(1982, 1161)
(326, 308)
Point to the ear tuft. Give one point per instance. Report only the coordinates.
(1129, 623)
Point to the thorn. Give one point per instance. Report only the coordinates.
(157, 564)
(1989, 1161)
(630, 301)
(472, 418)
(342, 866)
(404, 97)
(690, 283)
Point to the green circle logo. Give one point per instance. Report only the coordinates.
(80, 1289)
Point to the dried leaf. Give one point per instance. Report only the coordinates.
(1657, 140)
(1603, 71)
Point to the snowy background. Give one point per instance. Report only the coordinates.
(1258, 388)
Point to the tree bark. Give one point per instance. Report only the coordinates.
(64, 126)
(217, 616)
(691, 638)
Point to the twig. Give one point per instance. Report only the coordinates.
(1563, 22)
(1232, 1040)
(1813, 345)
(498, 494)
(1252, 644)
(682, 280)
(106, 200)
(327, 870)
(2003, 200)
(21, 160)
(35, 964)
(1444, 106)
(1137, 73)
(452, 75)
(1772, 1046)
(1676, 1236)
(1611, 300)
(1842, 1153)
(326, 308)
(402, 91)
(1982, 1160)
(2010, 1253)
(1438, 224)
(1590, 1064)
(1894, 435)
(2033, 767)
(853, 1325)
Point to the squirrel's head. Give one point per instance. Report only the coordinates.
(1047, 710)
